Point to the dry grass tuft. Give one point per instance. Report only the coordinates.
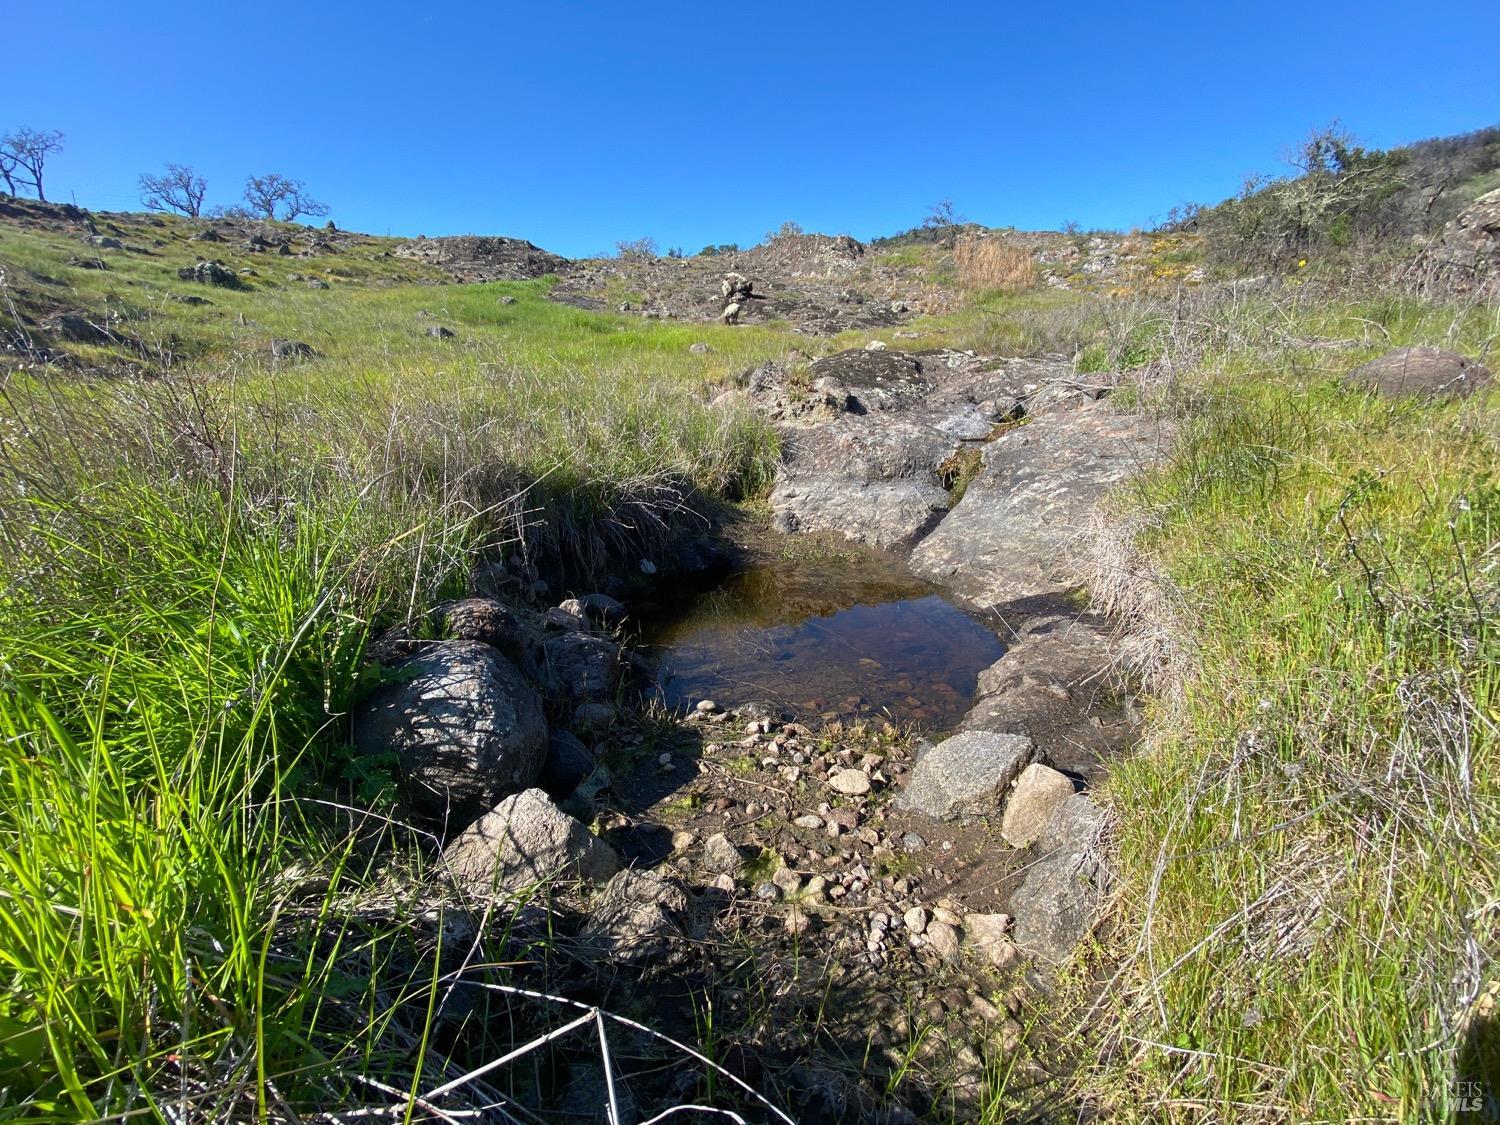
(990, 264)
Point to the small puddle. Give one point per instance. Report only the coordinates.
(825, 638)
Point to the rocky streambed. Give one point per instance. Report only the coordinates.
(860, 874)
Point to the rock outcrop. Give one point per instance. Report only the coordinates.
(1468, 251)
(1008, 536)
(473, 258)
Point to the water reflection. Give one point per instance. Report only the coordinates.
(823, 639)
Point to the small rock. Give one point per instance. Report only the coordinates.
(854, 783)
(567, 763)
(875, 346)
(562, 618)
(1038, 792)
(707, 706)
(594, 715)
(699, 348)
(809, 820)
(915, 919)
(990, 934)
(943, 938)
(720, 855)
(438, 332)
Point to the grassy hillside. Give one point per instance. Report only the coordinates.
(198, 541)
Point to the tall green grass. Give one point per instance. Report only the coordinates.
(1308, 837)
(194, 551)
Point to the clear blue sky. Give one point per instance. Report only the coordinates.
(577, 124)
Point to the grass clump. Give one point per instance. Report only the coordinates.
(1308, 838)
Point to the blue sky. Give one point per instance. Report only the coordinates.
(578, 124)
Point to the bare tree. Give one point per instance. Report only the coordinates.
(267, 193)
(179, 188)
(636, 248)
(941, 216)
(23, 157)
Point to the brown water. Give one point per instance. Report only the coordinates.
(832, 638)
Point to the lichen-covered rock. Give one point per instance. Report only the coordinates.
(523, 841)
(1468, 251)
(965, 775)
(464, 724)
(1425, 372)
(211, 272)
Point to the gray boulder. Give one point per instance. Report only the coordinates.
(211, 272)
(464, 724)
(965, 775)
(291, 349)
(1058, 903)
(581, 667)
(1426, 372)
(522, 841)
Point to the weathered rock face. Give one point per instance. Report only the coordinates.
(1038, 793)
(526, 840)
(965, 775)
(875, 472)
(1469, 250)
(1425, 372)
(1008, 536)
(1059, 901)
(464, 724)
(1054, 684)
(472, 258)
(641, 918)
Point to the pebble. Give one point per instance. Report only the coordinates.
(707, 706)
(767, 892)
(915, 919)
(809, 820)
(912, 842)
(855, 783)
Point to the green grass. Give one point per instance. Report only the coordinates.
(1308, 842)
(196, 547)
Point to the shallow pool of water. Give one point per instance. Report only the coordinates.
(823, 638)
